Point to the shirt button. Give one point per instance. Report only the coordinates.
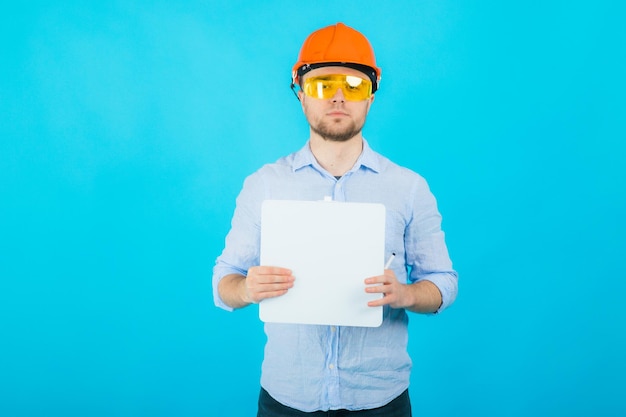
(333, 329)
(331, 366)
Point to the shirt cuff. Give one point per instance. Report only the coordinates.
(447, 285)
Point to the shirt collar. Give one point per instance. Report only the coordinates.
(368, 159)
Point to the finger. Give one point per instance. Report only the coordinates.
(262, 292)
(270, 274)
(274, 286)
(258, 290)
(379, 279)
(271, 270)
(260, 275)
(275, 279)
(380, 302)
(271, 294)
(380, 288)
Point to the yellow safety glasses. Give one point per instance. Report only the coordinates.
(325, 87)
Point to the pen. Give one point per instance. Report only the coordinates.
(388, 264)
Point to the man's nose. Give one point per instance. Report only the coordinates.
(338, 97)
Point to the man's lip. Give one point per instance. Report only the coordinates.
(337, 113)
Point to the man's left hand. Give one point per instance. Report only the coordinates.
(395, 294)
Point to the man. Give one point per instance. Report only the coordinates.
(329, 370)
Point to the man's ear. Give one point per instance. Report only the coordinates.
(301, 97)
(370, 101)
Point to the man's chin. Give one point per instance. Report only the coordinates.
(337, 135)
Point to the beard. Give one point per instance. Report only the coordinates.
(336, 134)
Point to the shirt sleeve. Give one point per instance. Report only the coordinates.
(241, 249)
(426, 251)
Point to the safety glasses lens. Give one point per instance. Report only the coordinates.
(326, 86)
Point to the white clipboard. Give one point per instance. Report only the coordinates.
(331, 247)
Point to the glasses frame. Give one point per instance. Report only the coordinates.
(334, 82)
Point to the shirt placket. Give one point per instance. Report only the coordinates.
(332, 366)
(332, 357)
(339, 193)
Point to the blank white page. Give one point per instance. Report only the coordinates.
(331, 247)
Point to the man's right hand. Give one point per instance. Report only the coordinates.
(262, 282)
(266, 282)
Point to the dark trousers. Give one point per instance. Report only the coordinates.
(269, 407)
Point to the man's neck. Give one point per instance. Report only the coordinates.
(336, 157)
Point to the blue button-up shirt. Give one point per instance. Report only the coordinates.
(310, 367)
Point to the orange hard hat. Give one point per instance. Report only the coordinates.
(337, 45)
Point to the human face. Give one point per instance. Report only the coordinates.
(335, 119)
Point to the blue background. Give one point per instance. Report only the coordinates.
(127, 128)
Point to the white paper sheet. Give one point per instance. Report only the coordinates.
(331, 247)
